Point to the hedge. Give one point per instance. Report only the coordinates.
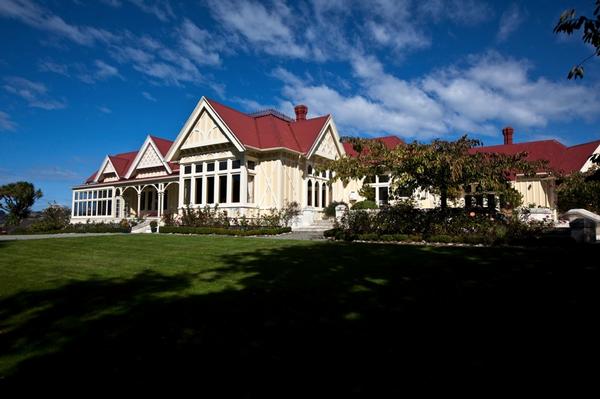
(75, 228)
(224, 231)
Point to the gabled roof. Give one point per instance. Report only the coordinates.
(156, 144)
(561, 159)
(271, 130)
(163, 145)
(390, 142)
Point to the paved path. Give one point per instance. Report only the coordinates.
(299, 235)
(62, 235)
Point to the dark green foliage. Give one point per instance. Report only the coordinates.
(367, 191)
(579, 190)
(17, 199)
(225, 231)
(330, 209)
(54, 217)
(153, 226)
(569, 22)
(79, 228)
(510, 199)
(402, 222)
(366, 204)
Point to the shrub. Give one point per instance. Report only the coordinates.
(402, 222)
(224, 231)
(153, 226)
(366, 204)
(54, 217)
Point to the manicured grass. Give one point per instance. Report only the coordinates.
(249, 316)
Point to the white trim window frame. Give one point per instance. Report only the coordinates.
(93, 203)
(320, 199)
(220, 175)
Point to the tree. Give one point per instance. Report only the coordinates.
(442, 167)
(17, 199)
(579, 190)
(570, 22)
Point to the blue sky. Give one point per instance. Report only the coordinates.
(82, 79)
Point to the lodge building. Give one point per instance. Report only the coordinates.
(250, 163)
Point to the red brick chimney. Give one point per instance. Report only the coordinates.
(507, 132)
(301, 111)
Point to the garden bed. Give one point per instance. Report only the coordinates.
(267, 231)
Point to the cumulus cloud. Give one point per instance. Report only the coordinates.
(478, 98)
(267, 28)
(35, 93)
(6, 123)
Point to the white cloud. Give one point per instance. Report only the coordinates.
(105, 110)
(35, 93)
(104, 71)
(148, 96)
(491, 90)
(160, 9)
(6, 123)
(199, 44)
(37, 17)
(268, 29)
(510, 21)
(87, 74)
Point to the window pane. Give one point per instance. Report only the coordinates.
(310, 170)
(199, 190)
(165, 200)
(309, 194)
(235, 188)
(143, 202)
(210, 167)
(198, 168)
(223, 165)
(251, 189)
(235, 164)
(74, 213)
(251, 165)
(110, 193)
(323, 195)
(187, 170)
(186, 191)
(384, 178)
(210, 189)
(383, 195)
(317, 194)
(222, 189)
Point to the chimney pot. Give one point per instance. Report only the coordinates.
(508, 132)
(301, 111)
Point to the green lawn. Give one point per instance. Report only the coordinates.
(246, 316)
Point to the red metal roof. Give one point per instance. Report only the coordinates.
(271, 130)
(162, 144)
(390, 142)
(561, 159)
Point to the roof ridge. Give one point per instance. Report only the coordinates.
(588, 143)
(210, 100)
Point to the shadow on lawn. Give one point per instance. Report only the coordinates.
(343, 318)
